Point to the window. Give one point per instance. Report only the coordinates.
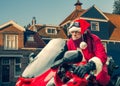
(30, 38)
(95, 26)
(11, 42)
(17, 67)
(51, 31)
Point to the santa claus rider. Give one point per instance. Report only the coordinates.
(92, 49)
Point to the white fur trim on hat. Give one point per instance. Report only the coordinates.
(74, 29)
(98, 64)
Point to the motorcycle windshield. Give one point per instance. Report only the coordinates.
(53, 51)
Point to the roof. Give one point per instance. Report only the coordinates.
(37, 43)
(13, 23)
(41, 30)
(75, 14)
(113, 18)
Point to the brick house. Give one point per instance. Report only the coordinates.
(47, 32)
(16, 44)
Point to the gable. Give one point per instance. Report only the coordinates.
(12, 23)
(95, 13)
(75, 14)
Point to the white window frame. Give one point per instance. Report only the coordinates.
(17, 64)
(51, 32)
(105, 45)
(30, 38)
(11, 42)
(95, 26)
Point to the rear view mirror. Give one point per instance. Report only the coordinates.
(73, 56)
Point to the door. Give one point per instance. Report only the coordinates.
(5, 73)
(5, 70)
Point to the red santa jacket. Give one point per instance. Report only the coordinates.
(98, 55)
(98, 48)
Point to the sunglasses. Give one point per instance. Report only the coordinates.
(74, 24)
(75, 32)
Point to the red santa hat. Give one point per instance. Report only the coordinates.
(80, 25)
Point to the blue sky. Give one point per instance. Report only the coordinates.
(46, 11)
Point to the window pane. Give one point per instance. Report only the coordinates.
(95, 26)
(51, 31)
(17, 66)
(5, 61)
(17, 70)
(17, 60)
(11, 42)
(30, 38)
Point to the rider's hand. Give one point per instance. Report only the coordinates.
(82, 70)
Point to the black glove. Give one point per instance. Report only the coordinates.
(82, 70)
(62, 72)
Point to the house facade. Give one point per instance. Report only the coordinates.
(47, 32)
(15, 46)
(105, 25)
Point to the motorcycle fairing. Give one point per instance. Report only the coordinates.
(52, 52)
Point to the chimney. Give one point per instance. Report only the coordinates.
(78, 5)
(33, 21)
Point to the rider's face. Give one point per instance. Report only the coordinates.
(75, 35)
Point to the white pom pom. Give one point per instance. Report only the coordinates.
(83, 45)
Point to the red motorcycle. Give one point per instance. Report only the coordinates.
(54, 66)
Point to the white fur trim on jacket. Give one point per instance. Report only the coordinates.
(74, 29)
(98, 64)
